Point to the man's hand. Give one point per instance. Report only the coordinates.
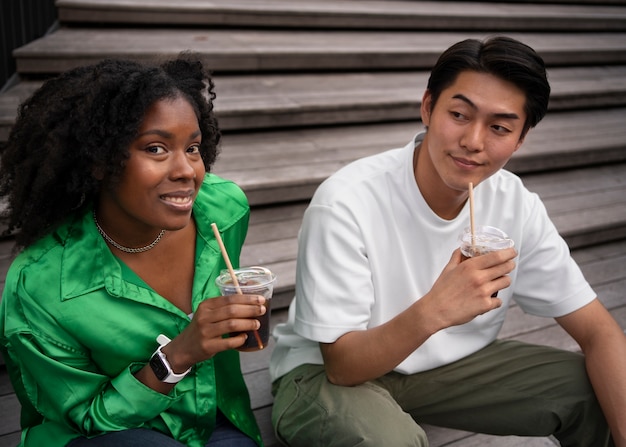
(465, 287)
(462, 292)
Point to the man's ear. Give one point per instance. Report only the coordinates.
(520, 141)
(425, 108)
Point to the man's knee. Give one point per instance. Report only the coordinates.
(310, 411)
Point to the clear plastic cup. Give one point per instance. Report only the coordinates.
(252, 281)
(486, 239)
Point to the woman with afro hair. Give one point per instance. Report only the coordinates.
(111, 325)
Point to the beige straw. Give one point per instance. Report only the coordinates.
(233, 276)
(471, 204)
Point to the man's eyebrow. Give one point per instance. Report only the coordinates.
(513, 116)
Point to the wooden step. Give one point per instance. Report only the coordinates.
(346, 14)
(288, 166)
(587, 205)
(266, 101)
(297, 50)
(541, 3)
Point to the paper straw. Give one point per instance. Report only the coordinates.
(233, 276)
(471, 204)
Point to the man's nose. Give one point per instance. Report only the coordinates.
(474, 137)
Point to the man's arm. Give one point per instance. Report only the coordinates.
(461, 293)
(604, 344)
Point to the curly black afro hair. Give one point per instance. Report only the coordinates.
(83, 122)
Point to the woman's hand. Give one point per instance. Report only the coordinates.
(214, 318)
(204, 337)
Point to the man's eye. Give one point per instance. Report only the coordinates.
(458, 115)
(501, 129)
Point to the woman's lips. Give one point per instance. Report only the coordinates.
(181, 202)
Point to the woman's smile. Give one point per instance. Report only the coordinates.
(162, 176)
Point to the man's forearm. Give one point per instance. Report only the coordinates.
(606, 366)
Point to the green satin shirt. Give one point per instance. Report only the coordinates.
(75, 324)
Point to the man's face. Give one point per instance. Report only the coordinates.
(473, 129)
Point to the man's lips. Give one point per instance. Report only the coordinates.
(465, 163)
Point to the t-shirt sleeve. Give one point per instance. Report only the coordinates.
(548, 282)
(334, 291)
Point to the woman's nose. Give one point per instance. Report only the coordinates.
(182, 166)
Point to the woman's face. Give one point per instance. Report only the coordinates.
(161, 177)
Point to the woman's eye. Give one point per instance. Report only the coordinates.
(194, 149)
(155, 149)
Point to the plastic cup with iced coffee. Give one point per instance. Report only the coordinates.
(251, 281)
(485, 239)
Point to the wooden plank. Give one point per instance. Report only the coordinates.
(10, 439)
(9, 415)
(561, 184)
(245, 102)
(251, 50)
(5, 384)
(272, 100)
(556, 337)
(264, 419)
(346, 14)
(481, 440)
(288, 166)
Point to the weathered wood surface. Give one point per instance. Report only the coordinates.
(346, 14)
(309, 99)
(297, 50)
(274, 167)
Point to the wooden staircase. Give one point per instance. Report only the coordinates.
(304, 88)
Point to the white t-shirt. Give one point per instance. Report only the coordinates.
(370, 246)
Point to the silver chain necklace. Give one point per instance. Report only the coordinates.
(121, 247)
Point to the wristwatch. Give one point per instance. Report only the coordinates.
(161, 367)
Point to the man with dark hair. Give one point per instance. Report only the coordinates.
(392, 327)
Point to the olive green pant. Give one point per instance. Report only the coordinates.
(508, 388)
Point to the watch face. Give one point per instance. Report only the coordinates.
(158, 367)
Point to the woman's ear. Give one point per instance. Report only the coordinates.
(97, 172)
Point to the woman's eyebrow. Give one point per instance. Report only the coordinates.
(166, 134)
